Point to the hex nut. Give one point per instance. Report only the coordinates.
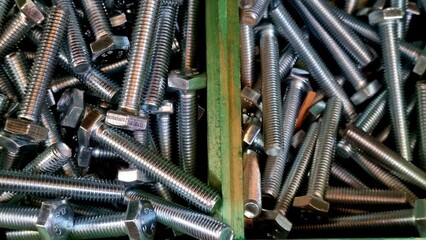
(126, 121)
(166, 107)
(179, 82)
(90, 123)
(107, 46)
(313, 203)
(276, 225)
(132, 175)
(384, 15)
(140, 220)
(366, 93)
(32, 12)
(420, 66)
(55, 220)
(420, 216)
(26, 129)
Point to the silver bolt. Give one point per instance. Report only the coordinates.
(350, 196)
(190, 36)
(247, 55)
(252, 187)
(6, 86)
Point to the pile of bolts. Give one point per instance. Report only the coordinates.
(101, 102)
(334, 118)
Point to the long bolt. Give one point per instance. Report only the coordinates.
(290, 30)
(421, 116)
(348, 196)
(271, 88)
(247, 55)
(183, 219)
(252, 187)
(190, 40)
(343, 175)
(320, 171)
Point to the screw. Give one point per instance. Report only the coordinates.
(349, 196)
(152, 164)
(190, 37)
(298, 85)
(288, 28)
(321, 164)
(345, 176)
(252, 181)
(183, 219)
(247, 55)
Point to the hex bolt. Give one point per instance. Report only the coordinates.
(247, 55)
(364, 89)
(271, 88)
(13, 30)
(251, 16)
(343, 175)
(106, 44)
(163, 130)
(390, 159)
(138, 222)
(187, 112)
(14, 149)
(344, 35)
(53, 186)
(5, 7)
(393, 221)
(321, 164)
(253, 137)
(421, 116)
(275, 222)
(183, 219)
(298, 85)
(288, 28)
(54, 220)
(349, 196)
(252, 187)
(152, 164)
(160, 60)
(115, 67)
(190, 37)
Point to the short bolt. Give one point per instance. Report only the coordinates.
(251, 16)
(252, 187)
(345, 176)
(350, 196)
(114, 67)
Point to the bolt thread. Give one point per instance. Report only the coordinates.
(78, 52)
(252, 15)
(274, 170)
(344, 211)
(163, 192)
(298, 171)
(114, 68)
(345, 176)
(103, 154)
(137, 69)
(364, 196)
(53, 186)
(44, 64)
(16, 66)
(21, 218)
(184, 220)
(351, 6)
(13, 32)
(164, 135)
(6, 87)
(100, 85)
(190, 39)
(409, 51)
(70, 169)
(271, 88)
(50, 160)
(287, 61)
(288, 28)
(9, 159)
(101, 226)
(373, 113)
(49, 122)
(247, 55)
(23, 235)
(158, 169)
(399, 166)
(164, 33)
(383, 176)
(421, 114)
(89, 210)
(97, 15)
(63, 83)
(392, 75)
(5, 7)
(187, 108)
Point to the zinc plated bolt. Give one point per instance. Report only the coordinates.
(421, 116)
(252, 15)
(297, 87)
(387, 20)
(183, 219)
(288, 28)
(153, 165)
(388, 158)
(160, 60)
(271, 89)
(350, 196)
(321, 164)
(247, 55)
(343, 175)
(190, 36)
(252, 185)
(275, 221)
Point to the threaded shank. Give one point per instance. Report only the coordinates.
(190, 39)
(421, 115)
(21, 218)
(100, 226)
(13, 32)
(164, 135)
(247, 55)
(364, 196)
(96, 13)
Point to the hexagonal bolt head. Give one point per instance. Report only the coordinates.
(314, 112)
(84, 155)
(26, 129)
(250, 100)
(166, 107)
(311, 203)
(90, 123)
(301, 77)
(118, 20)
(179, 82)
(366, 93)
(251, 131)
(387, 14)
(15, 144)
(74, 107)
(133, 176)
(109, 47)
(140, 220)
(412, 8)
(275, 224)
(126, 121)
(420, 66)
(55, 220)
(34, 13)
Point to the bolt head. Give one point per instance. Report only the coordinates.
(166, 107)
(311, 203)
(74, 110)
(91, 122)
(387, 14)
(126, 121)
(15, 144)
(84, 155)
(420, 67)
(133, 175)
(55, 220)
(250, 99)
(412, 8)
(33, 12)
(366, 93)
(26, 129)
(275, 224)
(315, 112)
(251, 131)
(107, 47)
(179, 82)
(141, 220)
(300, 78)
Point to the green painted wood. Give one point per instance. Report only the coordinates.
(223, 109)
